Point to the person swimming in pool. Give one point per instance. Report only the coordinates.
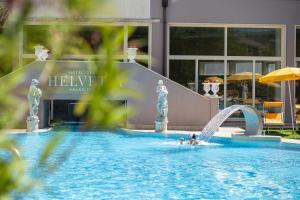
(193, 139)
(181, 140)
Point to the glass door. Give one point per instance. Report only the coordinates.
(266, 91)
(240, 83)
(212, 72)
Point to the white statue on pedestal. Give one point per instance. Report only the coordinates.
(41, 53)
(33, 96)
(162, 108)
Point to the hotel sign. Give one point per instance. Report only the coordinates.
(71, 81)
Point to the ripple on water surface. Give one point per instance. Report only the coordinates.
(120, 166)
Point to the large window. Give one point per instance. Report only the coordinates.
(212, 71)
(239, 82)
(88, 41)
(297, 59)
(183, 72)
(140, 40)
(235, 56)
(267, 91)
(298, 42)
(254, 42)
(196, 41)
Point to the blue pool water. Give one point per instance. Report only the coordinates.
(147, 166)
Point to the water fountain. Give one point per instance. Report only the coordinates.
(253, 121)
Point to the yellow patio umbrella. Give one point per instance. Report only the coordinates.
(243, 76)
(283, 74)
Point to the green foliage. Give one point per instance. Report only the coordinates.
(12, 170)
(60, 40)
(285, 133)
(103, 112)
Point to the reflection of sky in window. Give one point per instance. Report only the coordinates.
(218, 68)
(258, 68)
(214, 69)
(243, 67)
(270, 68)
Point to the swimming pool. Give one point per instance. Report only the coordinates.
(107, 165)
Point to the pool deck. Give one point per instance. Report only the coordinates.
(236, 134)
(223, 132)
(17, 131)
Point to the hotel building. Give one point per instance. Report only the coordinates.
(187, 42)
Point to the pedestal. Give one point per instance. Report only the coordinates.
(161, 125)
(32, 123)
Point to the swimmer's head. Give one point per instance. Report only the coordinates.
(181, 140)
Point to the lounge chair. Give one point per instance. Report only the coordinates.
(273, 118)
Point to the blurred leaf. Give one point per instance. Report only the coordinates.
(62, 39)
(50, 148)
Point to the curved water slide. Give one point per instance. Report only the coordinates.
(253, 121)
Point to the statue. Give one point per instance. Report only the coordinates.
(162, 107)
(33, 96)
(41, 53)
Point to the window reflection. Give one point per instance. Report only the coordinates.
(254, 41)
(139, 39)
(266, 91)
(142, 62)
(196, 41)
(183, 72)
(213, 72)
(86, 40)
(298, 42)
(239, 83)
(92, 36)
(34, 35)
(297, 95)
